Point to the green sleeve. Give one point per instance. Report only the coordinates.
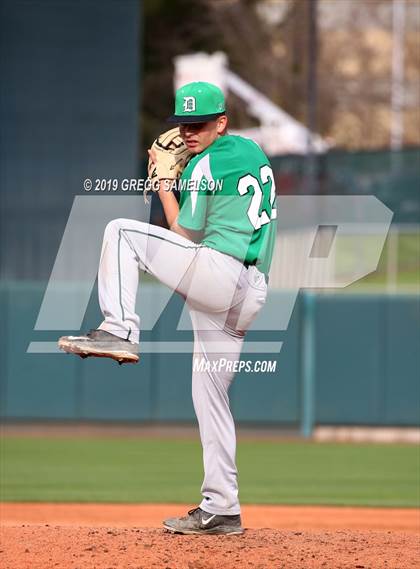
(193, 211)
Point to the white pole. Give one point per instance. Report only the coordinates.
(392, 260)
(397, 90)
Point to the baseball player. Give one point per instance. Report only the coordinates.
(217, 255)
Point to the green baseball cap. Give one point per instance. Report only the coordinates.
(198, 102)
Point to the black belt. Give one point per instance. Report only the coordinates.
(247, 265)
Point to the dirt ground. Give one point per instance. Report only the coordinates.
(115, 536)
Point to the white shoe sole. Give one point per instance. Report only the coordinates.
(66, 344)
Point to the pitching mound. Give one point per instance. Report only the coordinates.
(109, 536)
(41, 547)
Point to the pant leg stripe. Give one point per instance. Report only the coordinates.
(119, 257)
(119, 276)
(200, 246)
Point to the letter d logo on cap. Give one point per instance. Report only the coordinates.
(189, 104)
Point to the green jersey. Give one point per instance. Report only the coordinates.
(227, 192)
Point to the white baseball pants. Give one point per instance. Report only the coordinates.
(223, 298)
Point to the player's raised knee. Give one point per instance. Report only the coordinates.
(115, 225)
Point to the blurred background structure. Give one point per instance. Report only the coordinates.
(86, 87)
(361, 51)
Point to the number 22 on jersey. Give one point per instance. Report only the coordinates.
(256, 218)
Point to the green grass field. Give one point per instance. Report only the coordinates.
(154, 470)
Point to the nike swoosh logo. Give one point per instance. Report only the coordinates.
(208, 520)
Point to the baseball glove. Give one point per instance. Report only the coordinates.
(170, 154)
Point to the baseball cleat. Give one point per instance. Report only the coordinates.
(100, 344)
(199, 521)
